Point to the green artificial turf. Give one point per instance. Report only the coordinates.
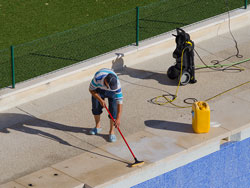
(49, 35)
(26, 20)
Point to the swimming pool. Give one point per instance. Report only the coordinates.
(228, 167)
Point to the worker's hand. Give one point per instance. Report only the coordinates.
(117, 122)
(102, 102)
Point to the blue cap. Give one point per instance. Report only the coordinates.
(112, 81)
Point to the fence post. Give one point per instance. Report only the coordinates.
(12, 66)
(245, 4)
(137, 26)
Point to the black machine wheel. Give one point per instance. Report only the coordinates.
(173, 72)
(185, 78)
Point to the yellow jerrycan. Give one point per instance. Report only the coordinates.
(200, 117)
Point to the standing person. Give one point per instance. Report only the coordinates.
(106, 84)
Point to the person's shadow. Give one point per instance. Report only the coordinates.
(121, 69)
(30, 125)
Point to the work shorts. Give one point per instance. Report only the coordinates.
(97, 107)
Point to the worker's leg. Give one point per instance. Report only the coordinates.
(113, 111)
(97, 121)
(112, 127)
(96, 111)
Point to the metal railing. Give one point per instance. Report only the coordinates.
(59, 50)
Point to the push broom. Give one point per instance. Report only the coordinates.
(136, 163)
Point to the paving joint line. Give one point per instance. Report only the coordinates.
(67, 174)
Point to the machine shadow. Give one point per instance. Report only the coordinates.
(121, 69)
(170, 126)
(31, 125)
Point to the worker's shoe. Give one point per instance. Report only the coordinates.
(112, 138)
(95, 131)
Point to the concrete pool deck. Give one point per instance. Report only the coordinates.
(44, 133)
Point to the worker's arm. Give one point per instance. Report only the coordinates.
(95, 94)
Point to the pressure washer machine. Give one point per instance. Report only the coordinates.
(184, 55)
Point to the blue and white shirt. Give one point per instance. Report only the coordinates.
(98, 82)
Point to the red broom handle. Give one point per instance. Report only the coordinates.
(120, 132)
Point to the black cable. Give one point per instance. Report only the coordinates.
(217, 62)
(187, 100)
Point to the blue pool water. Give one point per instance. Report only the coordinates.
(227, 168)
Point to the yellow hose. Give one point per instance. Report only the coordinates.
(171, 101)
(175, 96)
